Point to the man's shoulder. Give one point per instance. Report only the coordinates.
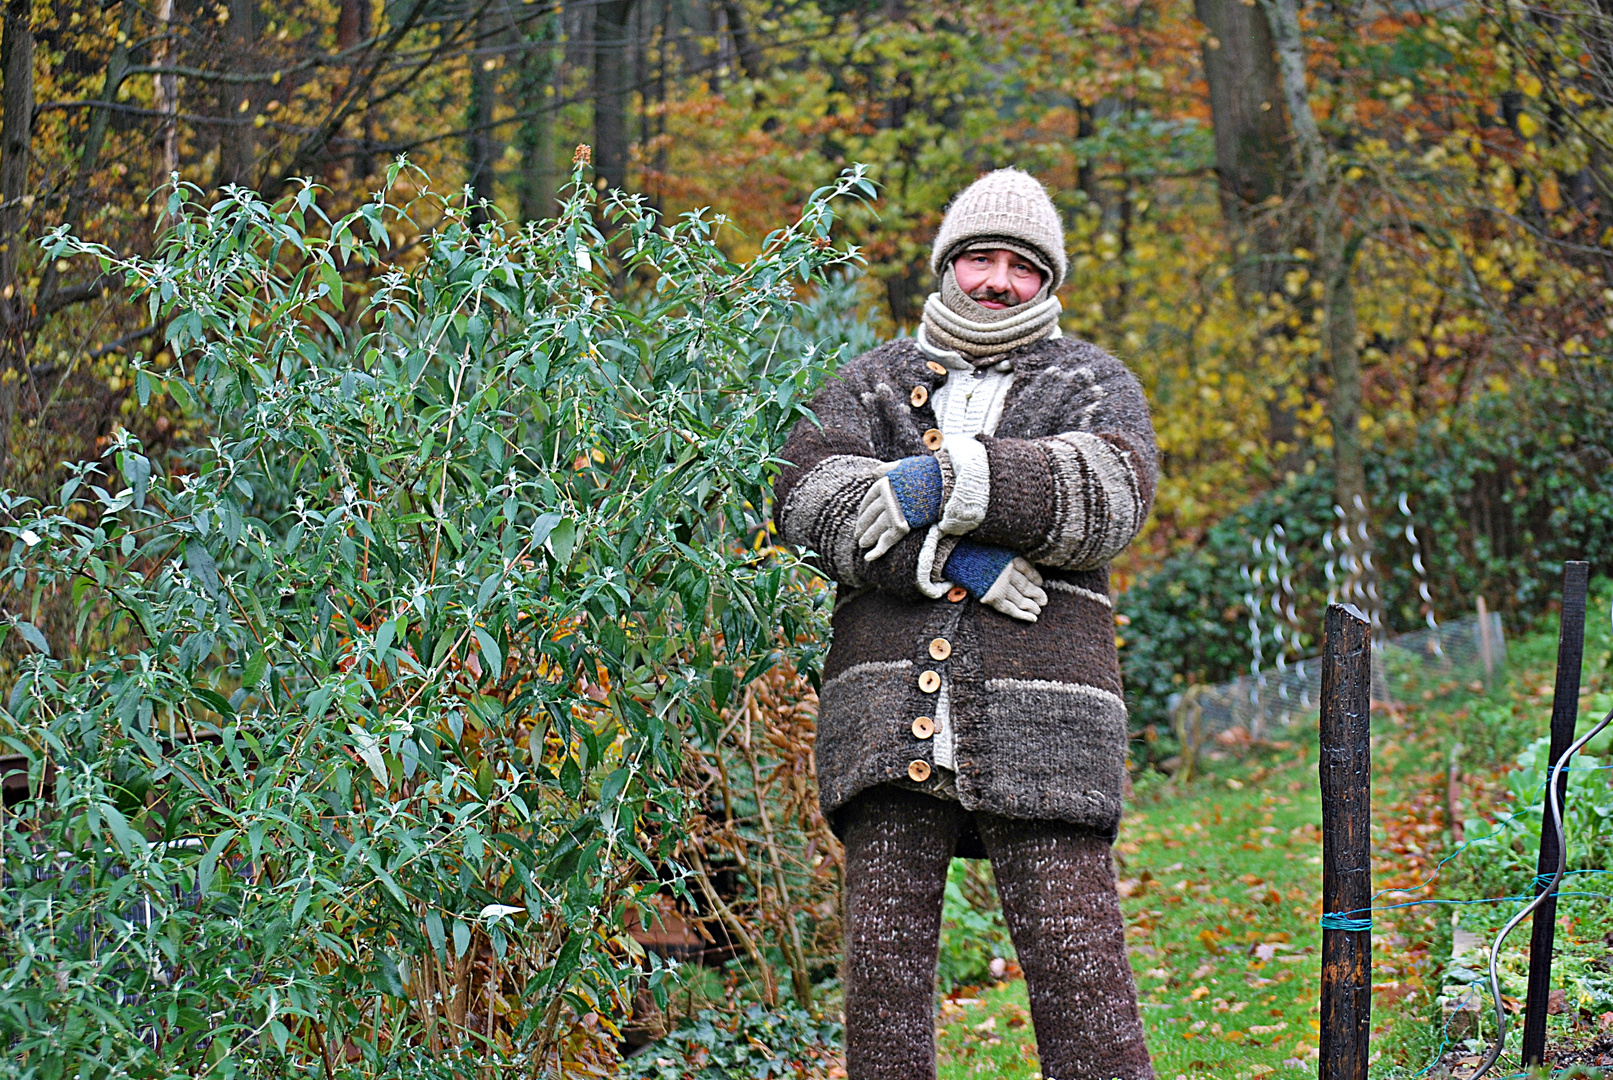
(898, 350)
(1073, 354)
(898, 356)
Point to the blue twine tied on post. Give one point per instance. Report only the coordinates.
(1336, 920)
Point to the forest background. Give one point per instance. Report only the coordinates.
(1358, 254)
(1408, 245)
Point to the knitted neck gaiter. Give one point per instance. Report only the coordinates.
(954, 321)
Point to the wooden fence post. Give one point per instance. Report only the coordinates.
(1564, 715)
(1345, 771)
(1485, 648)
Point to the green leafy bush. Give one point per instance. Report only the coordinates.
(1188, 622)
(1501, 856)
(363, 729)
(1501, 494)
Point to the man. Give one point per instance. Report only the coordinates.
(966, 490)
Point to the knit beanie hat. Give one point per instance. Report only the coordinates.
(1012, 208)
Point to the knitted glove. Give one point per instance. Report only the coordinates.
(907, 497)
(997, 578)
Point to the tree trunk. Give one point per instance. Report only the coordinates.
(745, 45)
(1336, 245)
(353, 27)
(535, 101)
(657, 165)
(238, 144)
(16, 139)
(1344, 416)
(480, 145)
(165, 94)
(1283, 18)
(1251, 134)
(611, 65)
(1252, 147)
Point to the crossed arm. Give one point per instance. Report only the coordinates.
(913, 495)
(982, 513)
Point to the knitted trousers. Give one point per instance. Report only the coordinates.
(1057, 885)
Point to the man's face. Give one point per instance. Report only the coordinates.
(996, 278)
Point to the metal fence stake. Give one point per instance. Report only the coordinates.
(1564, 716)
(1345, 771)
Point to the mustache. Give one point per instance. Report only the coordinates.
(999, 296)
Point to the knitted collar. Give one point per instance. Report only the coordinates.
(955, 361)
(954, 322)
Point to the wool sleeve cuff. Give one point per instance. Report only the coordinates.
(968, 463)
(932, 557)
(918, 487)
(977, 566)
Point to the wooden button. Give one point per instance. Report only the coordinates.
(919, 396)
(956, 593)
(918, 771)
(940, 649)
(933, 439)
(929, 682)
(935, 366)
(923, 727)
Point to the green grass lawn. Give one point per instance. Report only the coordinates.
(1221, 886)
(1220, 893)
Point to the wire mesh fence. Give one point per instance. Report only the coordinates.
(1415, 666)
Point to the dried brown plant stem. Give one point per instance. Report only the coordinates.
(735, 927)
(800, 976)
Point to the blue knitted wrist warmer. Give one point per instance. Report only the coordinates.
(918, 487)
(976, 566)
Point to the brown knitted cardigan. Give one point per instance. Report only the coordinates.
(1039, 722)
